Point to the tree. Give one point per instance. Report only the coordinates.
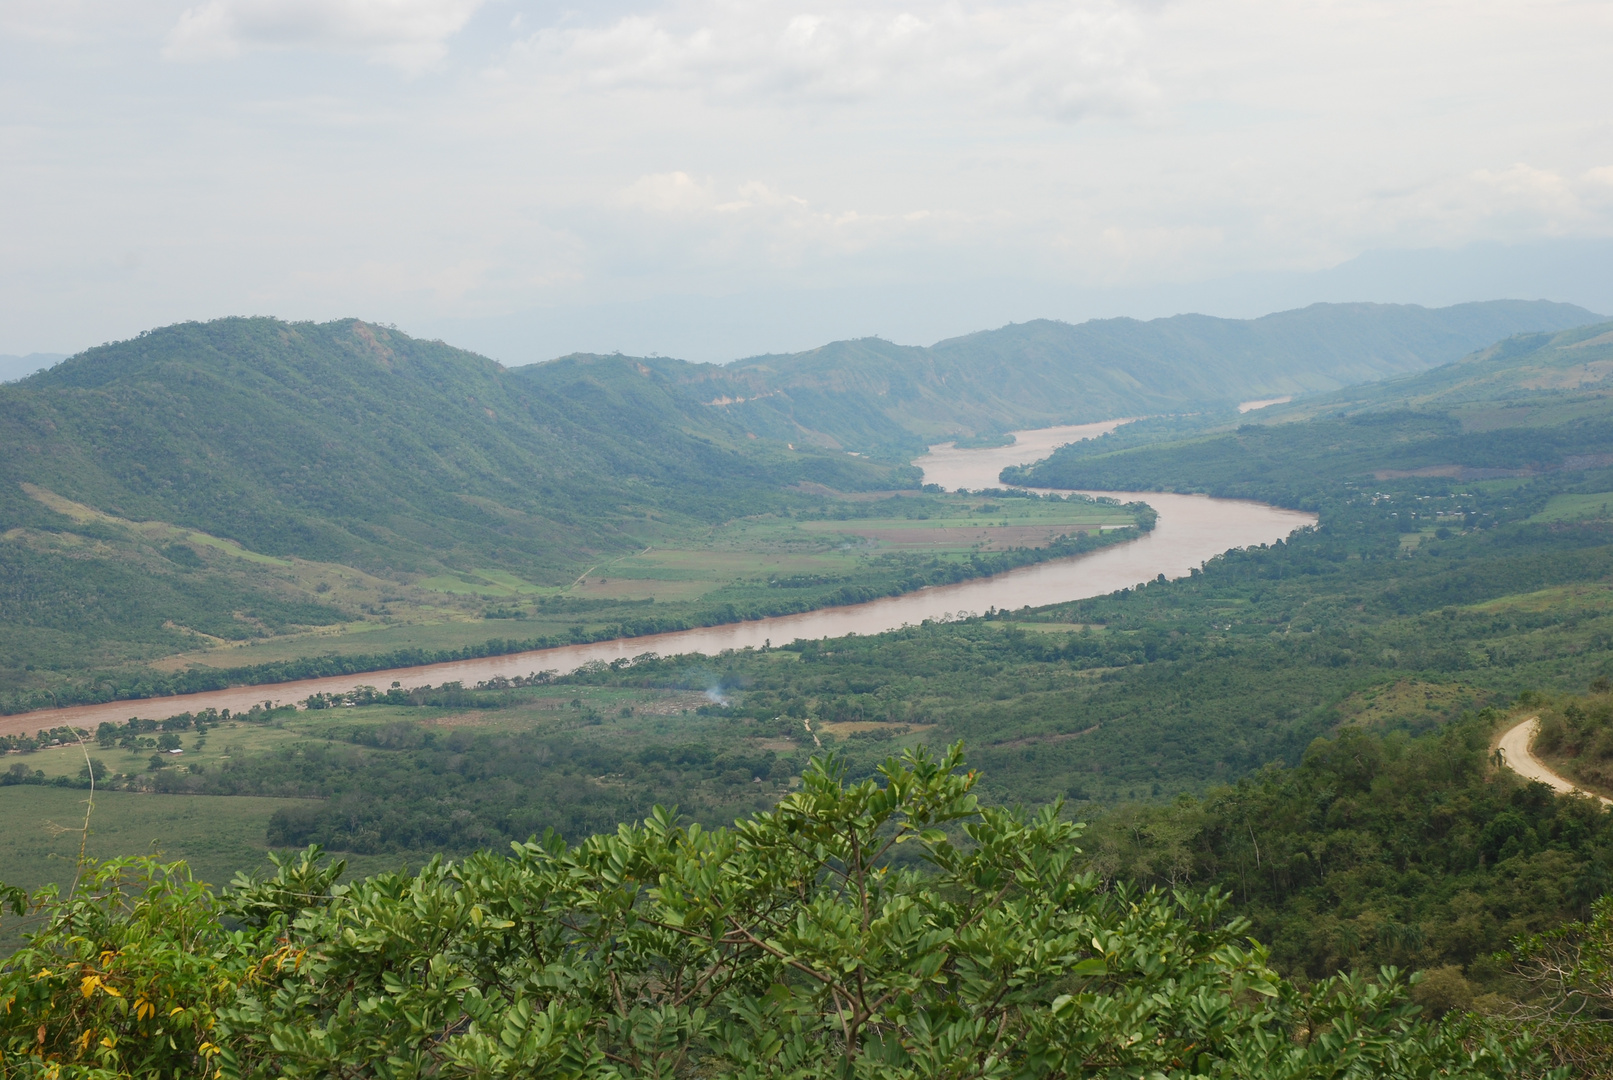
(887, 928)
(124, 979)
(1570, 971)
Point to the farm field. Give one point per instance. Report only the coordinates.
(1595, 506)
(217, 836)
(771, 549)
(751, 561)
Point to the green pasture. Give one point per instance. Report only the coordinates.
(1597, 506)
(442, 632)
(741, 560)
(218, 836)
(43, 830)
(757, 550)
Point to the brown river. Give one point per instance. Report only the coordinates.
(1191, 529)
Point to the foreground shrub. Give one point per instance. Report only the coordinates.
(888, 928)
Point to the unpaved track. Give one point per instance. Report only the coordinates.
(1514, 747)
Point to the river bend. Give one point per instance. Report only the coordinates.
(1191, 530)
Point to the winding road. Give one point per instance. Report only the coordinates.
(1515, 755)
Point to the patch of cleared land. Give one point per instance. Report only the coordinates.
(1593, 507)
(748, 554)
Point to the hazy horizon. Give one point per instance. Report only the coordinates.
(710, 179)
(14, 367)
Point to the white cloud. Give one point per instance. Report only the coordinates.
(670, 193)
(1599, 185)
(708, 228)
(1066, 60)
(576, 154)
(1528, 199)
(410, 34)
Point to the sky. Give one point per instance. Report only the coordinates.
(713, 179)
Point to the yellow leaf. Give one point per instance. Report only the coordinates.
(88, 984)
(176, 1010)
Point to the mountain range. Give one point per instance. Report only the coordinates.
(1527, 406)
(206, 482)
(14, 367)
(871, 395)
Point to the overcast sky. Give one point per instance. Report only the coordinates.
(476, 163)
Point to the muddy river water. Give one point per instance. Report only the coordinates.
(1191, 529)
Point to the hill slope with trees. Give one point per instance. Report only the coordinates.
(872, 395)
(211, 483)
(1529, 406)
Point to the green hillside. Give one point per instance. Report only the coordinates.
(356, 444)
(207, 484)
(1529, 406)
(870, 394)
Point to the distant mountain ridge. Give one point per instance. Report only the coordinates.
(19, 367)
(873, 395)
(1531, 405)
(359, 444)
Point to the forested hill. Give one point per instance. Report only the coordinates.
(357, 444)
(870, 394)
(1532, 405)
(205, 485)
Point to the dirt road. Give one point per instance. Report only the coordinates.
(1514, 747)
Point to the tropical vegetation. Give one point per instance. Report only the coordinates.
(790, 945)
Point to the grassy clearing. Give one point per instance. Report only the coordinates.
(217, 836)
(770, 548)
(448, 631)
(1407, 703)
(1057, 627)
(1589, 597)
(738, 560)
(151, 530)
(1597, 506)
